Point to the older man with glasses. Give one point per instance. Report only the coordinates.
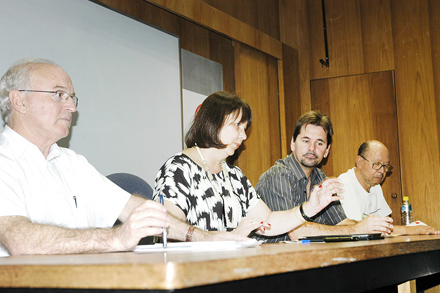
(363, 196)
(52, 201)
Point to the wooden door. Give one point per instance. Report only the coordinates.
(361, 107)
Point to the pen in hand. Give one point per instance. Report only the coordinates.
(164, 230)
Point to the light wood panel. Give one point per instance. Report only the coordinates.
(194, 38)
(146, 12)
(291, 108)
(282, 108)
(210, 45)
(344, 40)
(221, 50)
(377, 38)
(359, 37)
(434, 21)
(214, 19)
(417, 116)
(256, 82)
(361, 107)
(294, 33)
(260, 14)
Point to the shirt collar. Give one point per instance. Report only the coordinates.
(299, 172)
(295, 166)
(21, 145)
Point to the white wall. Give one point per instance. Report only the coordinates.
(126, 75)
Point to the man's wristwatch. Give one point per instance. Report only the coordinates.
(301, 210)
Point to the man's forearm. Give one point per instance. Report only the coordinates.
(25, 237)
(312, 229)
(415, 230)
(371, 224)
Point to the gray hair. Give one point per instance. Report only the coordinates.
(17, 77)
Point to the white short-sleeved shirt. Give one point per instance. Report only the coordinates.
(357, 202)
(62, 190)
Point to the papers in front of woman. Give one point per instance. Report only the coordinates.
(198, 246)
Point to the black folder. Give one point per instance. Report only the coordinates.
(345, 237)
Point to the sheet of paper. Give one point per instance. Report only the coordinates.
(198, 246)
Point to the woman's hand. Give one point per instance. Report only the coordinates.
(322, 195)
(247, 225)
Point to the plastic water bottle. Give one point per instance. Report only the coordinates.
(406, 211)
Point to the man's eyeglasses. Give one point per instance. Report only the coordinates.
(59, 96)
(376, 166)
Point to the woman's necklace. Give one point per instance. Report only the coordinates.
(228, 201)
(211, 177)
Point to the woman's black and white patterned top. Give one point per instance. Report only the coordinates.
(187, 185)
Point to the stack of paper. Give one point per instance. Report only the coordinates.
(198, 246)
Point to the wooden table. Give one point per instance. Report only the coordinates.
(315, 267)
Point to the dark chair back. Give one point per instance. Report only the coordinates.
(134, 185)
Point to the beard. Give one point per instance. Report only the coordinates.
(308, 162)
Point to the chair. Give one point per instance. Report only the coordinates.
(133, 184)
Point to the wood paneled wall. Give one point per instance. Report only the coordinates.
(260, 14)
(368, 36)
(210, 17)
(256, 82)
(291, 96)
(378, 35)
(417, 112)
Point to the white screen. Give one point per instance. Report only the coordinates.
(125, 73)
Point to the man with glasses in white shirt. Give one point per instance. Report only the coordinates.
(363, 196)
(52, 201)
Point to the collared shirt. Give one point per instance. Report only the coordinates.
(284, 186)
(357, 202)
(62, 190)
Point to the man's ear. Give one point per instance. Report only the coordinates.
(17, 101)
(292, 145)
(359, 160)
(327, 151)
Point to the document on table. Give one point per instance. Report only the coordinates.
(198, 246)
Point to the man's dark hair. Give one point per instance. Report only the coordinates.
(363, 149)
(314, 118)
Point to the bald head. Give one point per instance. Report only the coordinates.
(371, 146)
(372, 160)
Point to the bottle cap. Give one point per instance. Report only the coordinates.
(405, 198)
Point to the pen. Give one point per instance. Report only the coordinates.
(164, 230)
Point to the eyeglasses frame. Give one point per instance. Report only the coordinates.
(385, 167)
(74, 98)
